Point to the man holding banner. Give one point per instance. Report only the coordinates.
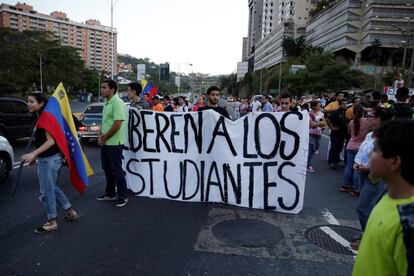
(213, 93)
(112, 142)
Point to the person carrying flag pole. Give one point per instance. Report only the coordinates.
(54, 136)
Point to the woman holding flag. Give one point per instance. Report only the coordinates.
(49, 157)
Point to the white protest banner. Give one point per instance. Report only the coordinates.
(258, 161)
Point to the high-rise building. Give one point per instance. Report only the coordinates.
(245, 51)
(91, 39)
(351, 26)
(289, 18)
(270, 16)
(255, 24)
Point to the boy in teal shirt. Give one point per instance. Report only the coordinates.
(387, 246)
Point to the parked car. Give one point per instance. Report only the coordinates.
(6, 159)
(15, 119)
(91, 118)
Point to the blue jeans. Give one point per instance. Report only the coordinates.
(317, 142)
(111, 158)
(312, 148)
(368, 198)
(349, 178)
(48, 170)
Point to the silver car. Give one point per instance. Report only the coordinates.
(6, 159)
(91, 119)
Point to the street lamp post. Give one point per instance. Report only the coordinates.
(41, 73)
(112, 37)
(178, 73)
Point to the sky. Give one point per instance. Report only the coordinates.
(205, 33)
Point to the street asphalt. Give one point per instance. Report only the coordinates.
(162, 237)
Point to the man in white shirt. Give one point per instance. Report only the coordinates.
(181, 105)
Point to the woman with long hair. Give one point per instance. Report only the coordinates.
(316, 122)
(357, 130)
(50, 161)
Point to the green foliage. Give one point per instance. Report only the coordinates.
(323, 73)
(20, 55)
(322, 5)
(294, 47)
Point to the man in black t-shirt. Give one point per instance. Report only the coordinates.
(338, 125)
(402, 109)
(213, 93)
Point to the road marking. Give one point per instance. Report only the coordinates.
(329, 217)
(338, 238)
(294, 246)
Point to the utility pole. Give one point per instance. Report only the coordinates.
(410, 71)
(112, 37)
(280, 76)
(99, 87)
(41, 73)
(261, 81)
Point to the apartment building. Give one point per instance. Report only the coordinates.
(289, 20)
(91, 39)
(353, 25)
(255, 24)
(270, 16)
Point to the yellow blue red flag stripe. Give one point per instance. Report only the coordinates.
(57, 119)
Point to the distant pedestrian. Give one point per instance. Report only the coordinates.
(370, 189)
(213, 93)
(111, 140)
(134, 92)
(387, 246)
(50, 161)
(244, 107)
(255, 105)
(182, 107)
(402, 108)
(398, 82)
(276, 105)
(157, 105)
(319, 118)
(315, 132)
(286, 102)
(331, 107)
(166, 102)
(338, 125)
(236, 108)
(267, 106)
(358, 129)
(199, 103)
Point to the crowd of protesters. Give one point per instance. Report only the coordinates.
(374, 135)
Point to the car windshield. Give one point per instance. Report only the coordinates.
(92, 121)
(94, 109)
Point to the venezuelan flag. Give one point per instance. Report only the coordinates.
(143, 85)
(57, 119)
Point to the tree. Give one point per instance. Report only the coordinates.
(21, 53)
(375, 54)
(323, 73)
(294, 47)
(322, 4)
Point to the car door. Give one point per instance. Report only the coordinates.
(26, 119)
(8, 124)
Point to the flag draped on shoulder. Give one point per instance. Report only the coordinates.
(57, 119)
